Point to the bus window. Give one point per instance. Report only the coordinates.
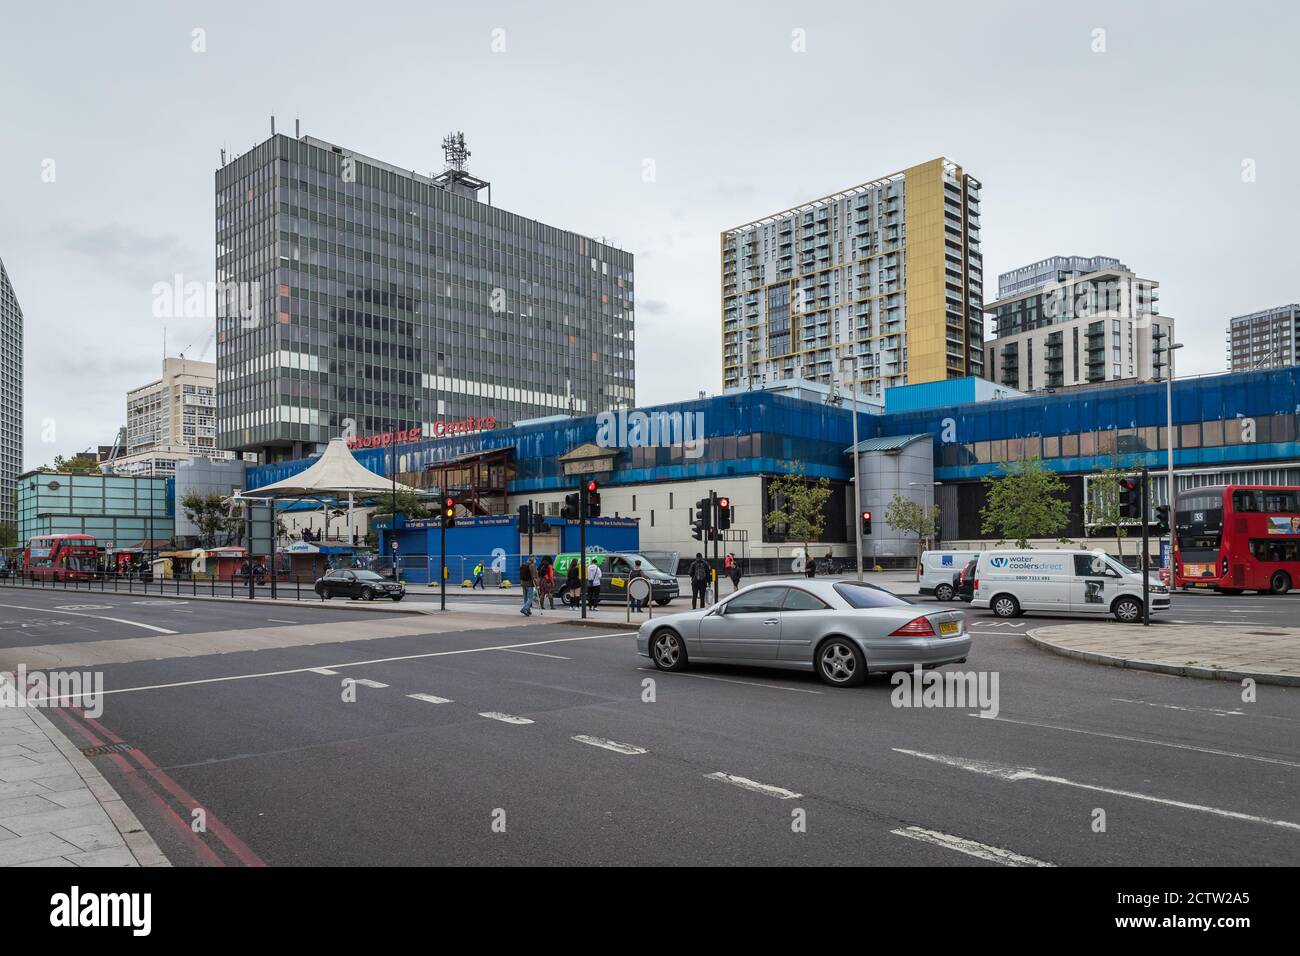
(1244, 501)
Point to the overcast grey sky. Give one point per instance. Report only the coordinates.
(1135, 152)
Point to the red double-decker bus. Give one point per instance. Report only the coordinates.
(1234, 538)
(62, 557)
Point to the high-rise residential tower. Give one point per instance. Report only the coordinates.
(1076, 320)
(1269, 338)
(11, 395)
(362, 298)
(888, 272)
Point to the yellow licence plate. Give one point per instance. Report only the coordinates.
(948, 627)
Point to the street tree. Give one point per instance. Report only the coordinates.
(215, 523)
(404, 503)
(800, 508)
(909, 515)
(76, 465)
(1025, 501)
(1103, 504)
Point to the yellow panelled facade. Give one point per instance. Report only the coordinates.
(927, 348)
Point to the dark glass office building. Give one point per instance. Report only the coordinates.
(11, 395)
(354, 295)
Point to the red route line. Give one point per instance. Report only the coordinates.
(236, 846)
(166, 811)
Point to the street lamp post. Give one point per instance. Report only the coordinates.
(1169, 446)
(846, 364)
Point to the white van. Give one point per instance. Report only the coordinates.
(1062, 581)
(937, 569)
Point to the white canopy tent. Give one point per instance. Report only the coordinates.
(334, 474)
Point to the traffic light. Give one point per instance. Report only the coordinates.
(539, 523)
(1162, 519)
(866, 522)
(525, 516)
(449, 512)
(572, 506)
(724, 514)
(593, 498)
(701, 520)
(1130, 498)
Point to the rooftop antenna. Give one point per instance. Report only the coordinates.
(455, 151)
(297, 128)
(272, 124)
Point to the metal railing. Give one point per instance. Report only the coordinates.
(282, 585)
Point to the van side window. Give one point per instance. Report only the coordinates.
(1089, 566)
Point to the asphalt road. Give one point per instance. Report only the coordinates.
(542, 743)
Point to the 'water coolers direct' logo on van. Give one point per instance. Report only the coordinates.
(998, 562)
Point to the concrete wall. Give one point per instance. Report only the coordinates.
(908, 472)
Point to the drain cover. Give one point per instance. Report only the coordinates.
(106, 749)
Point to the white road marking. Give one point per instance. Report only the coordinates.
(613, 745)
(1216, 711)
(1142, 740)
(505, 718)
(1015, 774)
(536, 654)
(427, 698)
(160, 603)
(84, 607)
(744, 783)
(731, 680)
(366, 682)
(276, 620)
(97, 617)
(317, 670)
(993, 854)
(323, 671)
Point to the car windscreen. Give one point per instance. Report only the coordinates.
(868, 595)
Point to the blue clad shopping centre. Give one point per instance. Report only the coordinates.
(1239, 426)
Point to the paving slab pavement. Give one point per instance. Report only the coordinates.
(56, 809)
(1268, 655)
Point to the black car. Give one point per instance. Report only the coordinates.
(366, 585)
(963, 582)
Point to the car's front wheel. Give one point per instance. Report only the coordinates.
(1128, 610)
(663, 602)
(840, 663)
(668, 650)
(396, 597)
(1004, 605)
(367, 594)
(944, 592)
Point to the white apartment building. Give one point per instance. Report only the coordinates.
(1073, 320)
(171, 419)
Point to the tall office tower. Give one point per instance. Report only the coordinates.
(1076, 320)
(11, 396)
(1265, 339)
(888, 272)
(360, 298)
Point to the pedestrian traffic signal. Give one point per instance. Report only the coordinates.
(1130, 498)
(593, 498)
(572, 506)
(724, 514)
(866, 522)
(449, 512)
(539, 522)
(525, 516)
(1162, 519)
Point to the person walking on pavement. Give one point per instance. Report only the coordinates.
(478, 577)
(546, 584)
(573, 584)
(527, 581)
(636, 573)
(735, 573)
(699, 575)
(593, 584)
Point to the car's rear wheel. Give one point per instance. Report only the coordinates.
(1004, 605)
(1128, 610)
(944, 592)
(1280, 583)
(668, 650)
(323, 592)
(840, 663)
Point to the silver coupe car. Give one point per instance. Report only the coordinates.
(840, 629)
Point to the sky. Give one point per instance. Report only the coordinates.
(1161, 133)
